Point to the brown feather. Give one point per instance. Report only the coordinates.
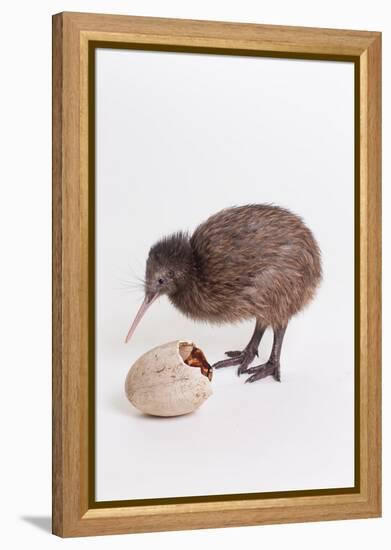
(248, 261)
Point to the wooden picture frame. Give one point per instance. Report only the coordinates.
(75, 37)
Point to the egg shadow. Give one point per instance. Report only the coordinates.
(125, 408)
(122, 406)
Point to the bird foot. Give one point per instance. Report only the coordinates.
(240, 358)
(262, 371)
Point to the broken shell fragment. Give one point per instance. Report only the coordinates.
(169, 380)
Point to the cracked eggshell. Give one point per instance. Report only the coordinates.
(160, 383)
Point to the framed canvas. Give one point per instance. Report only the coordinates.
(236, 170)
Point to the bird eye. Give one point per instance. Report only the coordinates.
(160, 281)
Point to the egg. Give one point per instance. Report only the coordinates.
(170, 380)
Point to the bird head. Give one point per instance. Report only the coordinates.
(168, 267)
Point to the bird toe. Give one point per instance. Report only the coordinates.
(233, 353)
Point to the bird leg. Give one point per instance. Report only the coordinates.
(272, 367)
(245, 357)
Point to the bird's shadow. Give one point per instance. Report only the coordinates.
(41, 522)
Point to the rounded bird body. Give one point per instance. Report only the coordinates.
(255, 261)
(250, 261)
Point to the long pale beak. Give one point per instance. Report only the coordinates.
(148, 301)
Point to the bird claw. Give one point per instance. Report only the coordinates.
(262, 371)
(242, 369)
(242, 360)
(227, 363)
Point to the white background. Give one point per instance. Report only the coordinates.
(25, 218)
(180, 136)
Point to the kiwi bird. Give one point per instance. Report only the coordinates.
(255, 261)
